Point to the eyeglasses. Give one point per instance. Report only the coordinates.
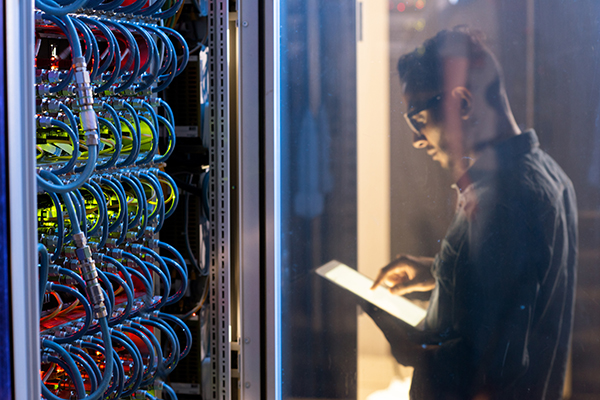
(415, 125)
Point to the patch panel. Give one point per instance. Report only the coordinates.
(103, 136)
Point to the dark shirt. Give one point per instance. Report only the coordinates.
(499, 320)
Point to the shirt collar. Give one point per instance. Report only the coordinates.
(497, 157)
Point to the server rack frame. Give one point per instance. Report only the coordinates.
(249, 192)
(19, 19)
(219, 201)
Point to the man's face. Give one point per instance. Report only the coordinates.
(428, 126)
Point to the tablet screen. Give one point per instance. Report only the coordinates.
(360, 285)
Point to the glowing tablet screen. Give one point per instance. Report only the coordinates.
(360, 285)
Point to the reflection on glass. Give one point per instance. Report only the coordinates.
(355, 189)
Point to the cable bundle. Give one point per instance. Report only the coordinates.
(104, 196)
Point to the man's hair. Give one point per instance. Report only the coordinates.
(422, 70)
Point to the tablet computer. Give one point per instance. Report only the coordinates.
(360, 285)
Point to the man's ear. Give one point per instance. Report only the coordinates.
(466, 101)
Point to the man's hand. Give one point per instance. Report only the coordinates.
(407, 274)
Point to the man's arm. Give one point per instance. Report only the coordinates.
(494, 293)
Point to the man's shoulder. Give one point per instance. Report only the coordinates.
(532, 183)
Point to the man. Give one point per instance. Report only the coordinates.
(499, 320)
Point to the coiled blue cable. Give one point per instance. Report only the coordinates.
(91, 47)
(117, 149)
(174, 188)
(75, 374)
(173, 358)
(43, 273)
(184, 46)
(60, 222)
(136, 133)
(86, 306)
(120, 267)
(169, 68)
(150, 60)
(111, 5)
(186, 330)
(184, 281)
(114, 54)
(80, 202)
(144, 208)
(171, 11)
(88, 370)
(169, 111)
(172, 141)
(114, 115)
(58, 186)
(166, 284)
(154, 146)
(128, 293)
(144, 393)
(109, 294)
(125, 221)
(133, 57)
(148, 251)
(139, 198)
(172, 336)
(159, 210)
(169, 390)
(131, 8)
(141, 266)
(176, 253)
(157, 348)
(109, 39)
(64, 365)
(152, 64)
(147, 288)
(151, 9)
(136, 376)
(122, 203)
(65, 24)
(104, 211)
(147, 374)
(68, 202)
(52, 7)
(105, 349)
(85, 356)
(135, 145)
(73, 275)
(148, 107)
(169, 55)
(74, 140)
(96, 227)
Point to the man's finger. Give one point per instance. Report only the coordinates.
(403, 288)
(379, 278)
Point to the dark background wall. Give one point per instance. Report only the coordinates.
(567, 117)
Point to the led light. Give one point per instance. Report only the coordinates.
(452, 1)
(401, 7)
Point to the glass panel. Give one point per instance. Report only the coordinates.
(318, 195)
(358, 185)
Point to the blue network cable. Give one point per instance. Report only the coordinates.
(114, 197)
